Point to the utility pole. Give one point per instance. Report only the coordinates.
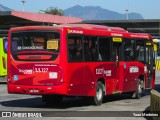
(23, 2)
(127, 10)
(127, 13)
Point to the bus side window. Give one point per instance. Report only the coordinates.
(140, 50)
(104, 49)
(129, 50)
(38, 42)
(94, 49)
(15, 46)
(75, 52)
(86, 41)
(90, 48)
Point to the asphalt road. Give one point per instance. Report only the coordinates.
(114, 107)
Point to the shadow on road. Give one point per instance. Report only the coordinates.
(68, 102)
(3, 83)
(37, 103)
(157, 87)
(147, 110)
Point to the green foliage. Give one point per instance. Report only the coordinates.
(53, 11)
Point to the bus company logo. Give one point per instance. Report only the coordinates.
(26, 71)
(101, 71)
(29, 47)
(75, 31)
(141, 36)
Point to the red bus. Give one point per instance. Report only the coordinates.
(79, 60)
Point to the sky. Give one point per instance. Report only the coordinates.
(149, 9)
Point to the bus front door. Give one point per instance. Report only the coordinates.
(149, 62)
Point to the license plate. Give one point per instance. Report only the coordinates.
(33, 91)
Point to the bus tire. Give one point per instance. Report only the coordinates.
(52, 99)
(98, 98)
(138, 93)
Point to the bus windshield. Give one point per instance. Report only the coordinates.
(35, 45)
(35, 41)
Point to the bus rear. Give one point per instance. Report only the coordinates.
(33, 66)
(3, 56)
(84, 61)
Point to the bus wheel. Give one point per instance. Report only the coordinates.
(139, 91)
(52, 99)
(97, 100)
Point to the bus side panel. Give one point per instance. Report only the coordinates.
(134, 72)
(131, 74)
(84, 76)
(75, 78)
(73, 72)
(3, 59)
(119, 76)
(5, 62)
(1, 54)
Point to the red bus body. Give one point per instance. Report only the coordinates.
(34, 73)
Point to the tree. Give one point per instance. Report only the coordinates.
(53, 11)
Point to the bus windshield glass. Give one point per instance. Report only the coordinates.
(23, 41)
(5, 44)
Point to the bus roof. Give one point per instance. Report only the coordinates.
(95, 27)
(115, 31)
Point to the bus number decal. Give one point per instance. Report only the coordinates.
(101, 71)
(41, 70)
